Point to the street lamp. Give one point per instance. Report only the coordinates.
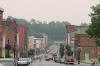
(8, 47)
(79, 50)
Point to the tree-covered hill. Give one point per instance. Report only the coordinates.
(55, 29)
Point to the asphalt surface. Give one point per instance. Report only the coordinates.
(52, 63)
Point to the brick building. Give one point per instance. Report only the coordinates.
(76, 36)
(22, 35)
(89, 48)
(9, 32)
(1, 18)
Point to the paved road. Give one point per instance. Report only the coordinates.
(51, 63)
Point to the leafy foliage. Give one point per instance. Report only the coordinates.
(31, 52)
(94, 28)
(84, 24)
(61, 51)
(55, 29)
(69, 52)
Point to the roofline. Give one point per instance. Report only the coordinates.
(1, 9)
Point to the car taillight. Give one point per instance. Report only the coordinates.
(72, 60)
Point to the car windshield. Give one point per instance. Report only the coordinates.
(98, 63)
(23, 59)
(6, 64)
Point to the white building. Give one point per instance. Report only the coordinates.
(30, 42)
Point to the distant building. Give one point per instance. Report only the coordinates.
(40, 40)
(45, 41)
(23, 39)
(30, 42)
(59, 42)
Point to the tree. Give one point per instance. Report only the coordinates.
(31, 52)
(84, 24)
(69, 52)
(94, 28)
(61, 50)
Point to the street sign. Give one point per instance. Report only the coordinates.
(72, 40)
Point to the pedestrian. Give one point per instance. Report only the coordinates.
(40, 58)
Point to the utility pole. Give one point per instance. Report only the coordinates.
(8, 49)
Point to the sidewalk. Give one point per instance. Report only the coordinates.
(85, 64)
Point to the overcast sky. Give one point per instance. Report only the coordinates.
(74, 11)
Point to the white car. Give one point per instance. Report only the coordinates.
(22, 61)
(29, 60)
(7, 62)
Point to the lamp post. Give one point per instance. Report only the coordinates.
(8, 47)
(79, 50)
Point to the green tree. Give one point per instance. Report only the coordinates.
(55, 30)
(84, 24)
(94, 28)
(61, 50)
(69, 52)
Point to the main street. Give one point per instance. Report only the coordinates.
(51, 63)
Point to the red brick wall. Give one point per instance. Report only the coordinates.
(70, 28)
(9, 29)
(1, 16)
(88, 46)
(98, 51)
(21, 38)
(86, 41)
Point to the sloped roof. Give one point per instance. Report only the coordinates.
(1, 9)
(38, 35)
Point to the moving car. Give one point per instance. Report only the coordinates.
(7, 62)
(69, 60)
(23, 62)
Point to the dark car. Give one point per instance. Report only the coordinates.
(48, 59)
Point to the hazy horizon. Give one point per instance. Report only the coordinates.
(73, 11)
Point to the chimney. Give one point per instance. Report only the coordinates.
(1, 15)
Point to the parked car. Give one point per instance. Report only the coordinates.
(96, 63)
(48, 57)
(57, 59)
(29, 60)
(23, 61)
(62, 60)
(7, 62)
(69, 60)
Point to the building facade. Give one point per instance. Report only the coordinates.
(89, 48)
(1, 18)
(30, 42)
(76, 36)
(22, 39)
(9, 33)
